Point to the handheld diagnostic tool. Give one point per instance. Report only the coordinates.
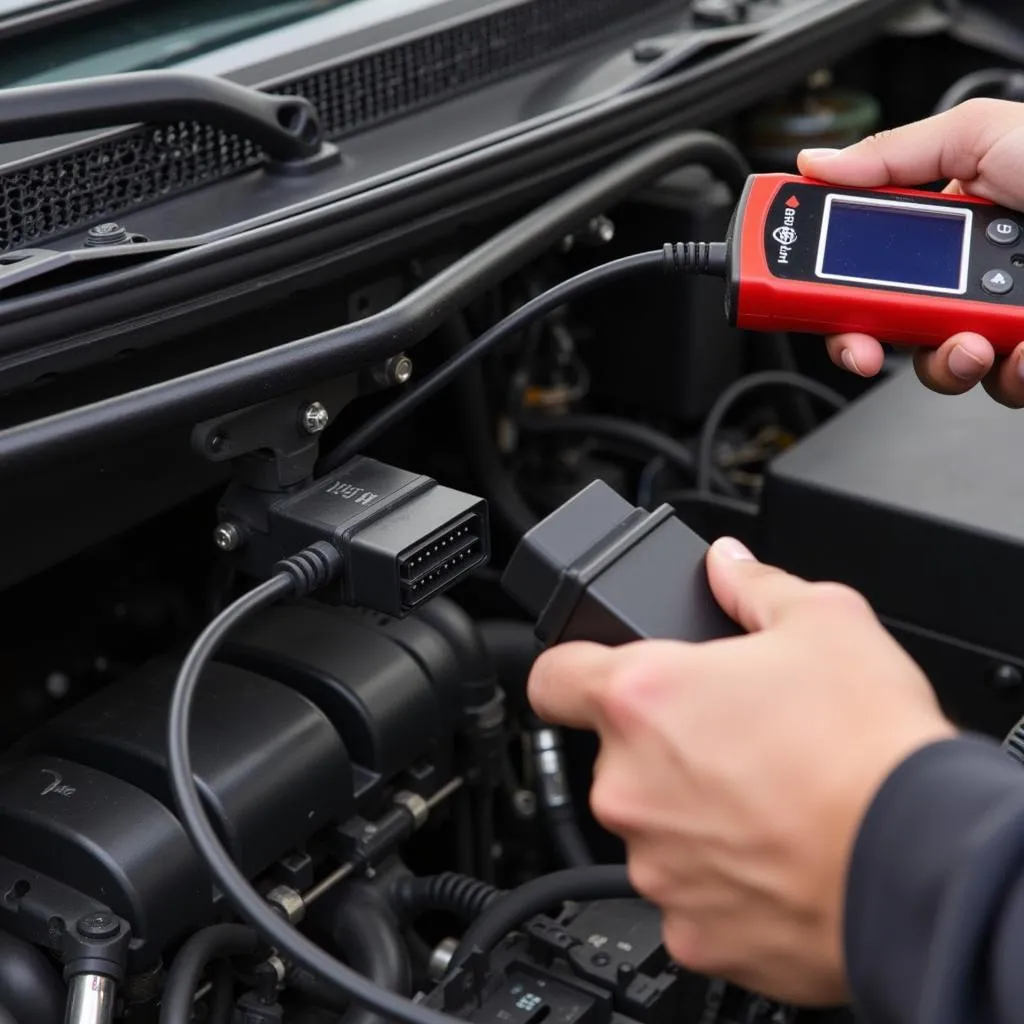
(907, 267)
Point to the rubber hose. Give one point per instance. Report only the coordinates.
(535, 897)
(513, 648)
(482, 453)
(222, 995)
(30, 987)
(467, 898)
(567, 839)
(213, 943)
(367, 935)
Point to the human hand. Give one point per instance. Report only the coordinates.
(979, 146)
(738, 772)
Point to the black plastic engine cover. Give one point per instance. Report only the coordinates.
(271, 768)
(391, 688)
(107, 840)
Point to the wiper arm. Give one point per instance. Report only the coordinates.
(286, 128)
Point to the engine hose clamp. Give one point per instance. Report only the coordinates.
(288, 901)
(415, 805)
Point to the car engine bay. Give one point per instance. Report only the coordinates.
(269, 291)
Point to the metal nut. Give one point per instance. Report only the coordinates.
(415, 805)
(228, 537)
(440, 958)
(315, 418)
(288, 901)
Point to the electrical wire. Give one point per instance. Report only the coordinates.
(301, 364)
(600, 882)
(637, 435)
(743, 387)
(560, 295)
(587, 883)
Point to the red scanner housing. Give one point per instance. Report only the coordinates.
(812, 258)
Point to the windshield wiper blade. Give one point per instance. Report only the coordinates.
(286, 128)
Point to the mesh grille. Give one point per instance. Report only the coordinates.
(389, 83)
(147, 164)
(129, 170)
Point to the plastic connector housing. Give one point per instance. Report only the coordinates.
(601, 570)
(403, 538)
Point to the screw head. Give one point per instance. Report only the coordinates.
(107, 234)
(397, 370)
(227, 537)
(525, 803)
(647, 51)
(1006, 678)
(99, 926)
(315, 418)
(603, 230)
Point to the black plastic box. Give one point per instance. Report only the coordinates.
(917, 500)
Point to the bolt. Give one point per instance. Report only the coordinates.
(315, 418)
(57, 685)
(397, 370)
(1006, 677)
(647, 51)
(99, 926)
(107, 234)
(600, 959)
(525, 803)
(227, 537)
(602, 230)
(215, 442)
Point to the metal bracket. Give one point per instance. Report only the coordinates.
(275, 445)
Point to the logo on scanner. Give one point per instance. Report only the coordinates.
(786, 235)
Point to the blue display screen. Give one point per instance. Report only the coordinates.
(894, 245)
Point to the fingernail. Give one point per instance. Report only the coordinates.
(964, 364)
(733, 549)
(1020, 366)
(821, 154)
(850, 362)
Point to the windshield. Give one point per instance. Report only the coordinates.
(143, 36)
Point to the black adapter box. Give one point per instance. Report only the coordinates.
(917, 501)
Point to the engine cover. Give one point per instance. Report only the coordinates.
(270, 766)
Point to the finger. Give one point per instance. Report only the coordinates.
(566, 683)
(949, 145)
(753, 595)
(957, 365)
(857, 353)
(1006, 381)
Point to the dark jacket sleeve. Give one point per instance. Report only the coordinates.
(934, 924)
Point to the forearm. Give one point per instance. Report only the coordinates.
(935, 895)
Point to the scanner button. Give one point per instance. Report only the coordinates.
(1004, 232)
(997, 282)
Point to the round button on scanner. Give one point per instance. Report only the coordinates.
(997, 282)
(1004, 232)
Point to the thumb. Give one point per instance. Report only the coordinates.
(950, 145)
(754, 595)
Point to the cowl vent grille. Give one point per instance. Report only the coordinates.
(100, 181)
